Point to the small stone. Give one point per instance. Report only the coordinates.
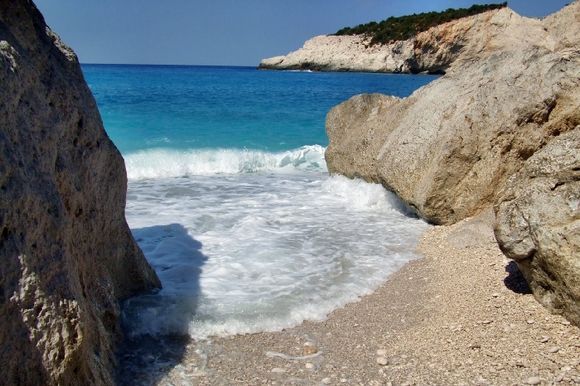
(309, 366)
(309, 348)
(326, 381)
(481, 380)
(520, 363)
(343, 380)
(544, 339)
(530, 321)
(565, 323)
(487, 321)
(278, 370)
(381, 352)
(533, 381)
(495, 295)
(382, 361)
(554, 350)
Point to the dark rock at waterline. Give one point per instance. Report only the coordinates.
(66, 254)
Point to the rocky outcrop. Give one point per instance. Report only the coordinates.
(508, 106)
(66, 253)
(449, 148)
(432, 51)
(538, 223)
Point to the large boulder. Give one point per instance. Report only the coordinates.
(66, 254)
(449, 148)
(538, 223)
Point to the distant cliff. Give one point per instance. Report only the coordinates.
(66, 253)
(431, 51)
(501, 129)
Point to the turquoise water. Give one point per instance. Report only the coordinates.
(230, 200)
(183, 107)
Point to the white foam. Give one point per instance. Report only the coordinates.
(255, 252)
(160, 163)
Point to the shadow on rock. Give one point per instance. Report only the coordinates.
(156, 324)
(515, 280)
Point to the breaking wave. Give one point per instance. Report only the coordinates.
(163, 163)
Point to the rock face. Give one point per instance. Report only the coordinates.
(66, 254)
(430, 51)
(448, 149)
(538, 223)
(501, 127)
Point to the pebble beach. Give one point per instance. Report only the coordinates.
(460, 315)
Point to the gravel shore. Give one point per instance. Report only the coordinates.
(461, 315)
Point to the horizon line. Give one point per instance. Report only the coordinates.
(167, 65)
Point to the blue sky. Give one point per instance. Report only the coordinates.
(223, 32)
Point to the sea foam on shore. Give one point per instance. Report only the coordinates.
(262, 251)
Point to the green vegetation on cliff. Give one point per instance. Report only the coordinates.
(405, 27)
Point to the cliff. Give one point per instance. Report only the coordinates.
(432, 51)
(450, 149)
(66, 253)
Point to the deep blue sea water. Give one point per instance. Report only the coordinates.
(230, 200)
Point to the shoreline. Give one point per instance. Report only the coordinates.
(460, 314)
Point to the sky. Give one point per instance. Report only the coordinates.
(224, 32)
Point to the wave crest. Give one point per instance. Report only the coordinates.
(160, 163)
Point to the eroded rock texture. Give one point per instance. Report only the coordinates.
(508, 106)
(449, 148)
(66, 253)
(538, 223)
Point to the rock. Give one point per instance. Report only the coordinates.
(381, 352)
(554, 350)
(449, 148)
(431, 51)
(538, 224)
(533, 381)
(382, 361)
(309, 348)
(481, 136)
(66, 253)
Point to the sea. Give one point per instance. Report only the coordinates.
(230, 199)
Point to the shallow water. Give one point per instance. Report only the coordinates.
(248, 253)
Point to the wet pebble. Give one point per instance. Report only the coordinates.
(309, 348)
